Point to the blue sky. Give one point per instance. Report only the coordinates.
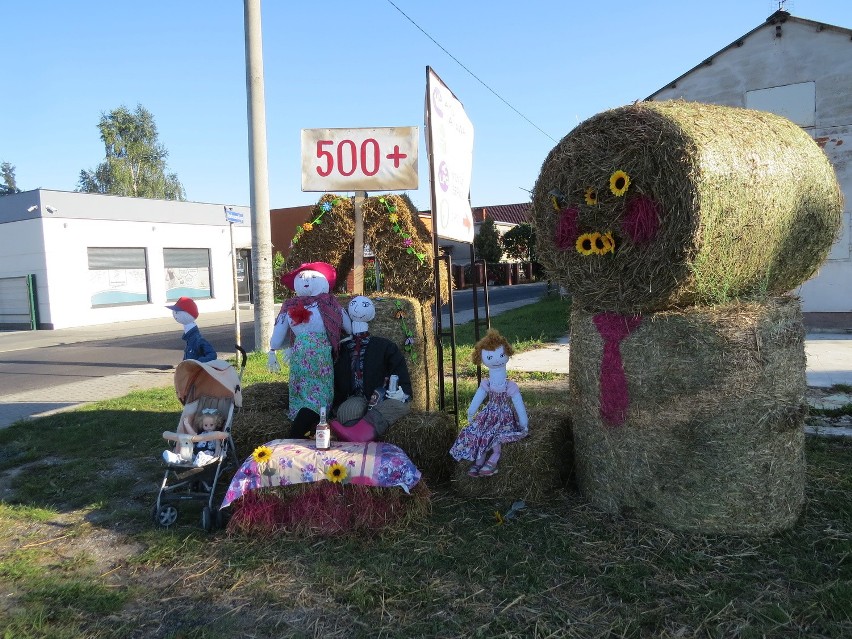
(342, 63)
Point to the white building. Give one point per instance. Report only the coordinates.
(79, 259)
(802, 70)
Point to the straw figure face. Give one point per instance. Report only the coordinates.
(361, 309)
(656, 205)
(309, 283)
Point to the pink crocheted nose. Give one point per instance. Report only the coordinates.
(566, 229)
(642, 220)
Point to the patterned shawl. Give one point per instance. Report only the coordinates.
(330, 311)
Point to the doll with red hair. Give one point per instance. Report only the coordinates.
(504, 416)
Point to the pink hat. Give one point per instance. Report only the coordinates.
(185, 304)
(326, 269)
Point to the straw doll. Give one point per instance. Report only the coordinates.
(309, 325)
(504, 417)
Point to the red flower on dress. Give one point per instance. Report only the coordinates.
(299, 315)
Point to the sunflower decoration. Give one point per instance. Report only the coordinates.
(608, 243)
(586, 243)
(591, 196)
(619, 182)
(557, 199)
(307, 226)
(262, 454)
(336, 473)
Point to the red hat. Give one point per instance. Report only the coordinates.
(185, 304)
(326, 269)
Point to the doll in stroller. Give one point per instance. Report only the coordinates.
(201, 449)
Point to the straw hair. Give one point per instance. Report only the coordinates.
(713, 438)
(713, 204)
(407, 270)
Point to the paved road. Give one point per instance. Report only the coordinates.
(81, 355)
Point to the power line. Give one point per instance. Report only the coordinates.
(438, 44)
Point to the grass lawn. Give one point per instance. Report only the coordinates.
(80, 556)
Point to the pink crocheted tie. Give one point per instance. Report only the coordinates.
(613, 384)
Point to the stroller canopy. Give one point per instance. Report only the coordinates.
(216, 378)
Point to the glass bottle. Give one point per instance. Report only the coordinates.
(323, 432)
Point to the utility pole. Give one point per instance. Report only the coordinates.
(261, 235)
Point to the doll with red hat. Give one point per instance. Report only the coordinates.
(308, 328)
(185, 312)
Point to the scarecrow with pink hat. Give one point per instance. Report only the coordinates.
(309, 328)
(185, 312)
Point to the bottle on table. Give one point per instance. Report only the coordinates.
(323, 432)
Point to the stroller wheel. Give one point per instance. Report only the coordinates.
(222, 518)
(165, 515)
(207, 519)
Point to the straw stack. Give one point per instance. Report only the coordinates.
(408, 324)
(529, 469)
(713, 438)
(703, 204)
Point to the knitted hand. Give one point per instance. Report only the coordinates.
(287, 353)
(399, 395)
(272, 364)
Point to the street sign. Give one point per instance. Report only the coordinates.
(377, 159)
(233, 217)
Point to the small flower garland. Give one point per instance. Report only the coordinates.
(325, 207)
(407, 241)
(409, 336)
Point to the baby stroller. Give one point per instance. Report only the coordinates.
(212, 387)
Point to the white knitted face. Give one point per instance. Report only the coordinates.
(497, 357)
(182, 317)
(361, 309)
(309, 283)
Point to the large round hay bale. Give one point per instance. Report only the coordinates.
(663, 204)
(408, 323)
(529, 469)
(713, 435)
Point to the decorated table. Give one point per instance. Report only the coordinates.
(287, 462)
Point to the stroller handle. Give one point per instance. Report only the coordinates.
(242, 353)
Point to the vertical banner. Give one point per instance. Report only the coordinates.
(449, 134)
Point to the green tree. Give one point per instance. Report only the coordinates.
(519, 242)
(135, 163)
(8, 185)
(487, 242)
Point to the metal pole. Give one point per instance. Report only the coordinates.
(236, 291)
(358, 264)
(261, 240)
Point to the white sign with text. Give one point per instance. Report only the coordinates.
(379, 159)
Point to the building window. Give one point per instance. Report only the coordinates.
(187, 273)
(118, 276)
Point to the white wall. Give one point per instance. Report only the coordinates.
(55, 248)
(804, 53)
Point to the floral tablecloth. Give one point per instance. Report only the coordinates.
(284, 462)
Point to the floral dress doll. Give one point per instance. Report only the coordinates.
(309, 325)
(504, 416)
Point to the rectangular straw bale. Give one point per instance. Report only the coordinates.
(426, 438)
(713, 438)
(529, 469)
(393, 315)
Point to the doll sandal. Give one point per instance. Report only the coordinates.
(487, 469)
(473, 471)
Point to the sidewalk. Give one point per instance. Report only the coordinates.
(829, 361)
